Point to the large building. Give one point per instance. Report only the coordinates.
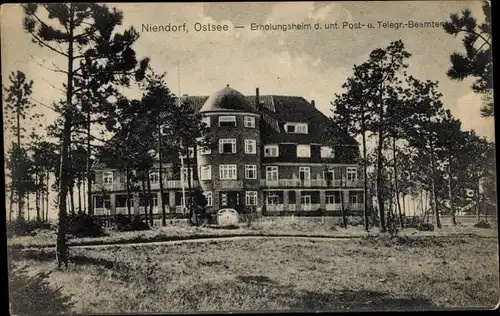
(269, 154)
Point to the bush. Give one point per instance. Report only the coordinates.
(84, 225)
(124, 223)
(426, 227)
(22, 227)
(482, 224)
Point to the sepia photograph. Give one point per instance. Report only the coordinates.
(249, 157)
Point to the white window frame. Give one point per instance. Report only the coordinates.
(208, 195)
(249, 121)
(227, 118)
(268, 150)
(250, 146)
(326, 152)
(154, 177)
(228, 172)
(352, 171)
(251, 198)
(206, 120)
(298, 128)
(223, 141)
(106, 175)
(205, 172)
(250, 168)
(271, 170)
(303, 197)
(301, 148)
(332, 195)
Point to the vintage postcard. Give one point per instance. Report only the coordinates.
(249, 157)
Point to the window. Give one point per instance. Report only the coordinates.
(303, 151)
(272, 199)
(305, 174)
(352, 174)
(227, 146)
(301, 128)
(155, 201)
(272, 173)
(206, 120)
(206, 172)
(227, 172)
(154, 177)
(250, 172)
(107, 177)
(305, 200)
(227, 121)
(329, 175)
(332, 197)
(251, 198)
(250, 146)
(271, 151)
(208, 196)
(326, 152)
(249, 121)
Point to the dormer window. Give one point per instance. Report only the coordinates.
(227, 121)
(271, 151)
(303, 151)
(299, 128)
(327, 152)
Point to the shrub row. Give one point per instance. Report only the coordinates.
(22, 227)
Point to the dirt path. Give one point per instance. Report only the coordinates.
(222, 238)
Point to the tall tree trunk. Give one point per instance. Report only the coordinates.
(145, 199)
(47, 206)
(450, 193)
(61, 246)
(28, 204)
(390, 211)
(19, 194)
(434, 190)
(88, 162)
(380, 166)
(150, 199)
(37, 198)
(127, 183)
(394, 156)
(190, 190)
(342, 204)
(79, 187)
(478, 205)
(11, 202)
(365, 173)
(72, 198)
(160, 175)
(85, 196)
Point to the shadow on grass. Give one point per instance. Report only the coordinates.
(357, 301)
(32, 295)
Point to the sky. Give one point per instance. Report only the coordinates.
(309, 63)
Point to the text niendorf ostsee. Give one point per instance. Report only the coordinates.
(345, 25)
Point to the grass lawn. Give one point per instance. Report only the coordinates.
(315, 226)
(376, 273)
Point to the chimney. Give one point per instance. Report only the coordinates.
(313, 103)
(257, 99)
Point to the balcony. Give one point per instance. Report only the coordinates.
(316, 183)
(121, 186)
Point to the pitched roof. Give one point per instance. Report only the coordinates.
(276, 110)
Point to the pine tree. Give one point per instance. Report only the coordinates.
(477, 60)
(84, 34)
